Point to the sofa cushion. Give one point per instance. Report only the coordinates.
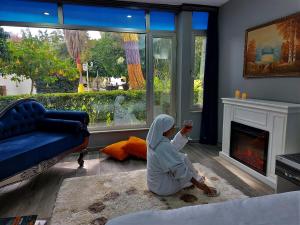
(24, 151)
(20, 119)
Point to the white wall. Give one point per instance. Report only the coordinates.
(15, 88)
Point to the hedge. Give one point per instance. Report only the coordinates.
(99, 105)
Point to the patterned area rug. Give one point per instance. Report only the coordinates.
(96, 199)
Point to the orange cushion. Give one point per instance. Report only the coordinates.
(136, 147)
(116, 150)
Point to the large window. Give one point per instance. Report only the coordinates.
(118, 64)
(49, 64)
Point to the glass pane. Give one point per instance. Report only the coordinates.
(162, 21)
(104, 17)
(162, 75)
(200, 21)
(28, 11)
(102, 73)
(199, 67)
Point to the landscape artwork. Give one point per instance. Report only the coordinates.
(273, 49)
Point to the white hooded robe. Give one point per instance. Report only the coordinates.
(168, 170)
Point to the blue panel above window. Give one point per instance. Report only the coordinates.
(119, 18)
(200, 21)
(28, 11)
(162, 21)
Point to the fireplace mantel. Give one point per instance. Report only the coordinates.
(281, 107)
(280, 119)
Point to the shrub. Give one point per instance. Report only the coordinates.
(198, 92)
(62, 84)
(99, 105)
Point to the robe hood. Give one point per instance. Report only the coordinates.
(161, 124)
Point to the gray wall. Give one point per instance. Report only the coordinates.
(235, 18)
(184, 80)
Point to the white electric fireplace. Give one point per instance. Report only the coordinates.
(255, 131)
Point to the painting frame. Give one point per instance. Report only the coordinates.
(248, 73)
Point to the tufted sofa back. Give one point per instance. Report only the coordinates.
(20, 117)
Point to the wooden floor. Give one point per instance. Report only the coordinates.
(37, 196)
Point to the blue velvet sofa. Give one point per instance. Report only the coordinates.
(32, 139)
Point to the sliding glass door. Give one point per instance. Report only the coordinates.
(163, 75)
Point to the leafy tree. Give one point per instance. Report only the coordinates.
(61, 85)
(4, 54)
(34, 58)
(57, 41)
(108, 57)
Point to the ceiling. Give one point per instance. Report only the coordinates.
(180, 2)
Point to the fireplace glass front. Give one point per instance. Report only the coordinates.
(249, 146)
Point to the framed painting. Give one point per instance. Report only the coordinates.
(273, 49)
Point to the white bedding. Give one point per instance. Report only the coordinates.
(277, 209)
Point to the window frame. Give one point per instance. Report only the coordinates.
(195, 33)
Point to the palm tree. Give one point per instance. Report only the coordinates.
(76, 42)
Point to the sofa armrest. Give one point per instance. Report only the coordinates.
(60, 125)
(83, 117)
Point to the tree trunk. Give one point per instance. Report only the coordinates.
(79, 67)
(32, 86)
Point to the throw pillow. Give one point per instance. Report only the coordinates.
(116, 150)
(136, 147)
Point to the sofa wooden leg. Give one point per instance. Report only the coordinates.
(80, 159)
